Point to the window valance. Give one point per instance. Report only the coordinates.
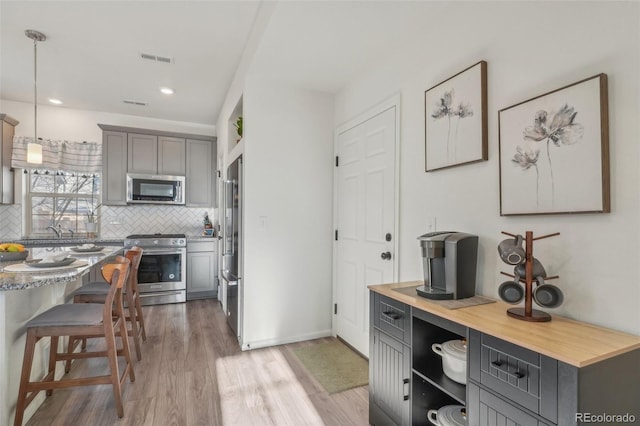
(83, 157)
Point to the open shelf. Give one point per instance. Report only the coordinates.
(439, 380)
(232, 136)
(432, 389)
(426, 397)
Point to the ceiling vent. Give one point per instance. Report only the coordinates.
(156, 58)
(138, 103)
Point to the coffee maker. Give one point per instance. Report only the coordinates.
(449, 260)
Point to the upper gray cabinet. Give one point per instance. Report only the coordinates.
(162, 155)
(7, 125)
(114, 168)
(200, 173)
(143, 154)
(171, 156)
(131, 150)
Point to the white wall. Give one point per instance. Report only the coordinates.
(287, 217)
(82, 125)
(531, 48)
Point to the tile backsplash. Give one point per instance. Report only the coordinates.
(10, 222)
(118, 222)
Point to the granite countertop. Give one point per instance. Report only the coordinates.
(26, 280)
(43, 242)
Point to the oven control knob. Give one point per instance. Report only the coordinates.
(137, 242)
(155, 242)
(181, 242)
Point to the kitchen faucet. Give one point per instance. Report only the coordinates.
(57, 230)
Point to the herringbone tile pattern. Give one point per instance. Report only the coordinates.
(10, 222)
(118, 222)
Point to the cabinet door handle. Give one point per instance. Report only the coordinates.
(392, 314)
(406, 394)
(499, 365)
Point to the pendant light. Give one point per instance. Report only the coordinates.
(34, 149)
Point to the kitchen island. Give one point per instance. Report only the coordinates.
(23, 295)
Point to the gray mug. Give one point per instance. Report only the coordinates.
(511, 251)
(538, 269)
(547, 295)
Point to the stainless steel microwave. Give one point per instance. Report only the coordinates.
(155, 189)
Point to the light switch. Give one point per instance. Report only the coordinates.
(262, 221)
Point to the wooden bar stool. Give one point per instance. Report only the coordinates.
(80, 320)
(95, 292)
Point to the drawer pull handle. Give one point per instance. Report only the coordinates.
(499, 364)
(406, 395)
(393, 315)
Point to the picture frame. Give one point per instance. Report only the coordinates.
(456, 119)
(554, 151)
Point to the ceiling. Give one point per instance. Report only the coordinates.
(91, 58)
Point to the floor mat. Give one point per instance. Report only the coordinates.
(334, 365)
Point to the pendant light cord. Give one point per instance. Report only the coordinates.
(35, 90)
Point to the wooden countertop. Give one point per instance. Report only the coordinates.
(573, 342)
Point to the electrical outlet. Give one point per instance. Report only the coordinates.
(431, 224)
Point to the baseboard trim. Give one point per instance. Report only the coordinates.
(257, 344)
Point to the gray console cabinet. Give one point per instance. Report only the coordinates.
(507, 383)
(202, 266)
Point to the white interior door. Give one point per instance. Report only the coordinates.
(365, 221)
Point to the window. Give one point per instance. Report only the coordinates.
(59, 198)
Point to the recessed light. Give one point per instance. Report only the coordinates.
(55, 101)
(166, 90)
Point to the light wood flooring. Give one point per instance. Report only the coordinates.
(193, 373)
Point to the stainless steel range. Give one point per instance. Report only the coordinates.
(162, 272)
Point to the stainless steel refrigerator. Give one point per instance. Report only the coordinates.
(232, 255)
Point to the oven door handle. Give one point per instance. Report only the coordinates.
(162, 251)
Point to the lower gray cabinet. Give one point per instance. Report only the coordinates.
(389, 362)
(389, 386)
(487, 409)
(202, 268)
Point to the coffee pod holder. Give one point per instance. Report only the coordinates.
(528, 313)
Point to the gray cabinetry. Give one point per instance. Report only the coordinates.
(7, 126)
(130, 150)
(389, 362)
(171, 156)
(532, 389)
(199, 185)
(142, 153)
(202, 261)
(486, 409)
(114, 168)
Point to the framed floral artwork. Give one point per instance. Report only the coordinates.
(456, 119)
(554, 151)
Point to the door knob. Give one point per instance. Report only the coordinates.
(386, 255)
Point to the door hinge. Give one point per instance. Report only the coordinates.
(337, 161)
(335, 309)
(336, 236)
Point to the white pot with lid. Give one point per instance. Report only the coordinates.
(454, 359)
(449, 415)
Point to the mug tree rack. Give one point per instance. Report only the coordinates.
(528, 313)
